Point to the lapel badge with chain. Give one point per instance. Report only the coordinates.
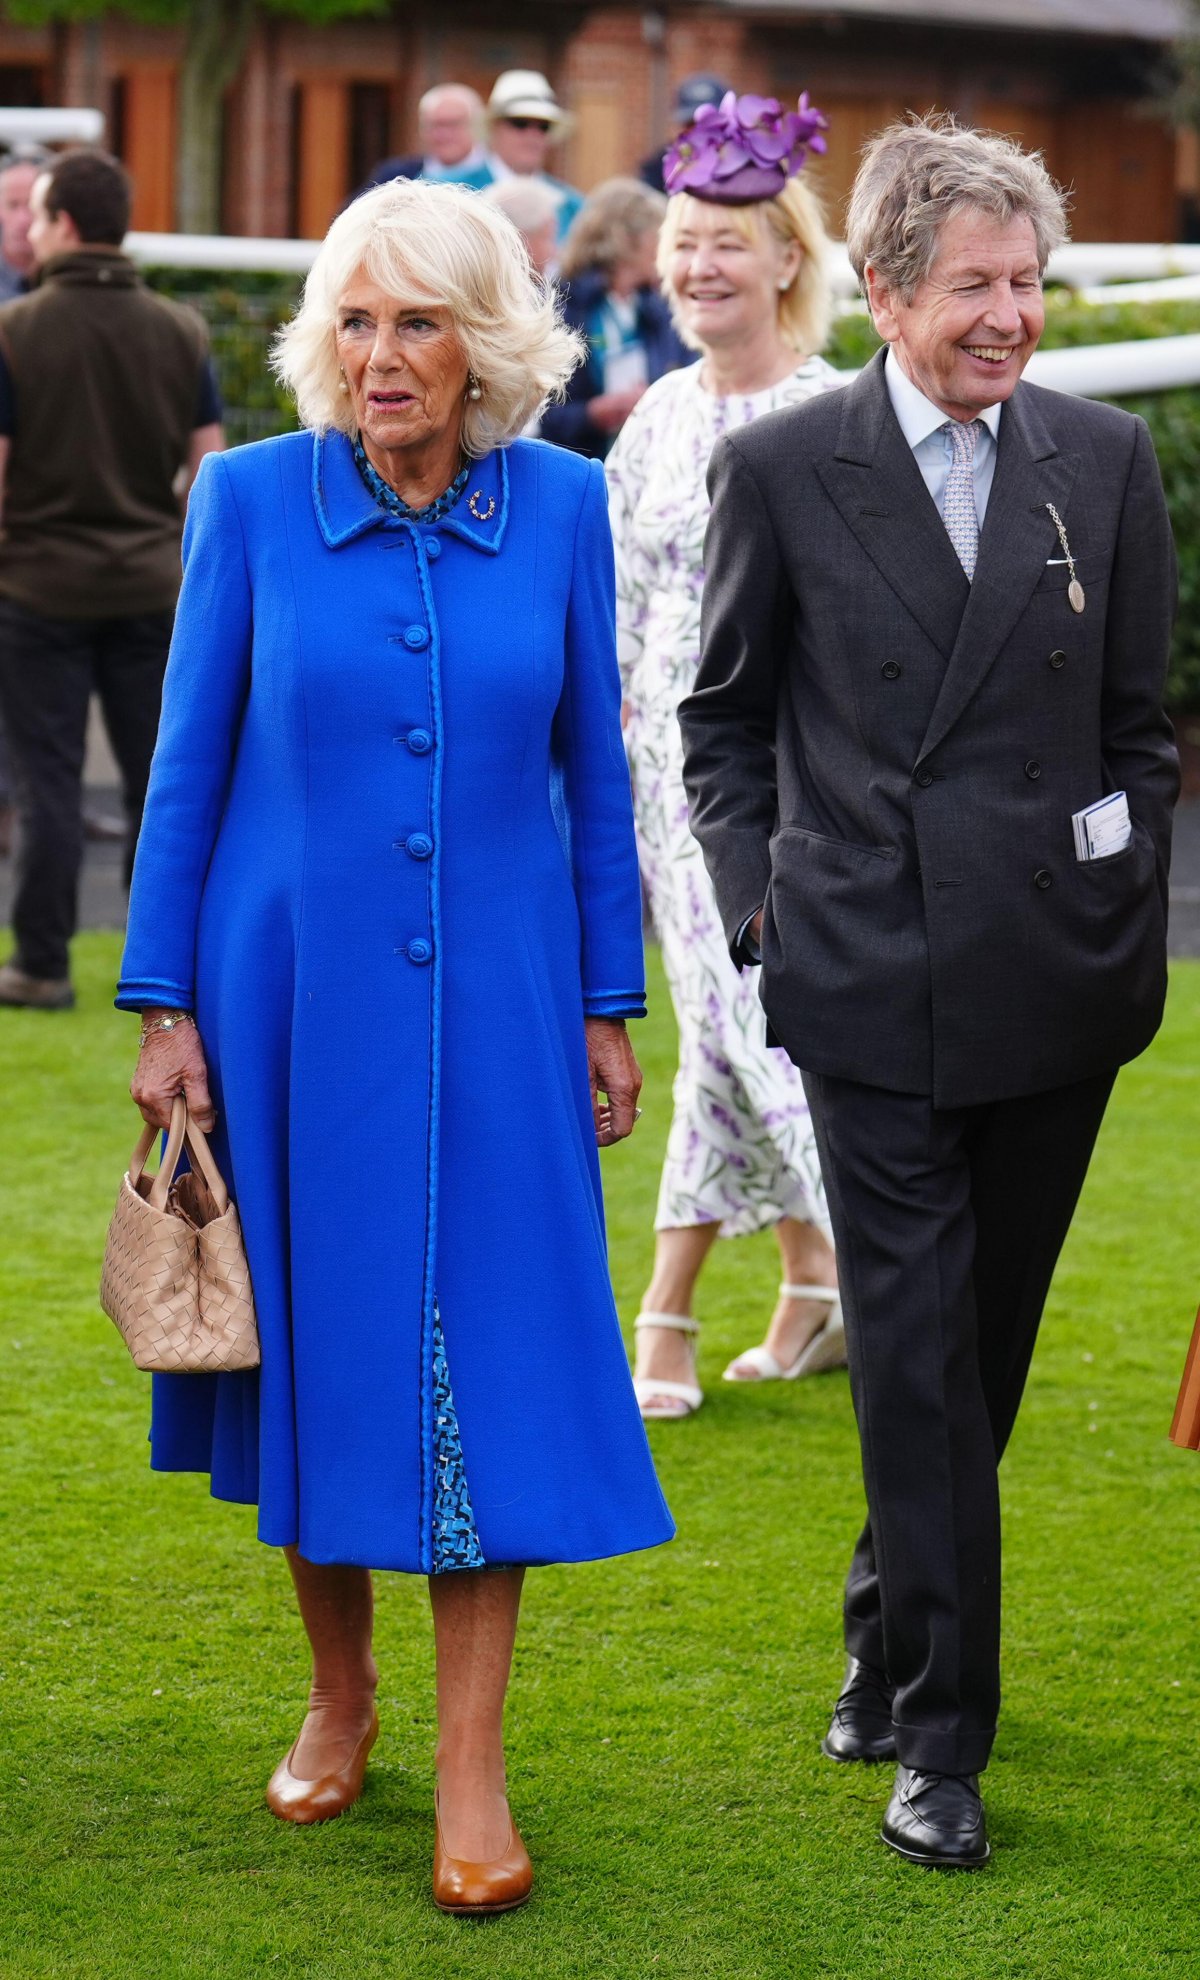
(1074, 589)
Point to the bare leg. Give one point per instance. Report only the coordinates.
(678, 1256)
(807, 1260)
(474, 1627)
(336, 1608)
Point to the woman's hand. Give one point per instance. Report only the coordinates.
(169, 1063)
(609, 410)
(613, 1071)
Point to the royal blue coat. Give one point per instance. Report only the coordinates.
(388, 859)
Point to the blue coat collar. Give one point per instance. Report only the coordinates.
(346, 508)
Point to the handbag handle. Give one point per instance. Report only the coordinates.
(182, 1128)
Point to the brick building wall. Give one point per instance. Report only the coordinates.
(311, 105)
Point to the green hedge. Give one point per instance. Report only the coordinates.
(1174, 422)
(244, 310)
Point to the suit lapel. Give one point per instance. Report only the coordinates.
(877, 487)
(1016, 539)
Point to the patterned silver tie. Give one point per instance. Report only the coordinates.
(959, 512)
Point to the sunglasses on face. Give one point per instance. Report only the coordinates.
(528, 124)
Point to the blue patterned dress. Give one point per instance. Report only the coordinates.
(455, 1541)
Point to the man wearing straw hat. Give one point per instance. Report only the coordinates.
(524, 119)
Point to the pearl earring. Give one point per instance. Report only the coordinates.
(474, 388)
(342, 385)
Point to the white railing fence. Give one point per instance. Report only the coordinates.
(1100, 273)
(1081, 265)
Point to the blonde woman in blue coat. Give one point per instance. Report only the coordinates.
(385, 933)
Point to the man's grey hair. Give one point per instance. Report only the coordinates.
(914, 175)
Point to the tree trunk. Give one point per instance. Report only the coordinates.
(217, 34)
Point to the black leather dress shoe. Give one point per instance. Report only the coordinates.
(937, 1820)
(861, 1727)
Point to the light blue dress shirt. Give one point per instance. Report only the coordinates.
(920, 421)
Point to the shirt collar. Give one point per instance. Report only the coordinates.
(432, 168)
(918, 416)
(501, 172)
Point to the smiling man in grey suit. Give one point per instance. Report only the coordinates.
(936, 621)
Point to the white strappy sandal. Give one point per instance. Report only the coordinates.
(827, 1348)
(649, 1389)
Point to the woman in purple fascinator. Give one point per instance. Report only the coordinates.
(742, 257)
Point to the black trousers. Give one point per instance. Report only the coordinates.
(48, 670)
(948, 1226)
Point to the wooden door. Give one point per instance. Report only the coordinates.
(322, 152)
(147, 135)
(1119, 166)
(852, 120)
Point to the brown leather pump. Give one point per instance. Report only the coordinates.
(468, 1890)
(319, 1801)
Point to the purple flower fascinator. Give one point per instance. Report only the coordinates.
(743, 149)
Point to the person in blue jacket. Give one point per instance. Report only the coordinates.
(385, 933)
(611, 295)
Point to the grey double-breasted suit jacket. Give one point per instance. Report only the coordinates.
(888, 757)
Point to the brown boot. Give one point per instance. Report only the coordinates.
(35, 993)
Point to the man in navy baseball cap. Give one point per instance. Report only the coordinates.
(693, 91)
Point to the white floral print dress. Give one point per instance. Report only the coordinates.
(741, 1151)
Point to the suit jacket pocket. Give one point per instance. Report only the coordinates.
(1089, 570)
(789, 840)
(1118, 895)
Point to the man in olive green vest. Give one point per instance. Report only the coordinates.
(107, 406)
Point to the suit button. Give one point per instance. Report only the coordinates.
(419, 950)
(433, 549)
(419, 741)
(1042, 878)
(890, 670)
(1033, 771)
(416, 637)
(924, 778)
(419, 845)
(1058, 658)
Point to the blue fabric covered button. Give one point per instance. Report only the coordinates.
(419, 741)
(433, 548)
(419, 844)
(416, 637)
(419, 950)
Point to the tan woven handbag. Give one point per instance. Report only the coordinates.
(175, 1277)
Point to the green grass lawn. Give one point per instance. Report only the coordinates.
(666, 1709)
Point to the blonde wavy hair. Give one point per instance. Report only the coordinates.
(427, 243)
(806, 305)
